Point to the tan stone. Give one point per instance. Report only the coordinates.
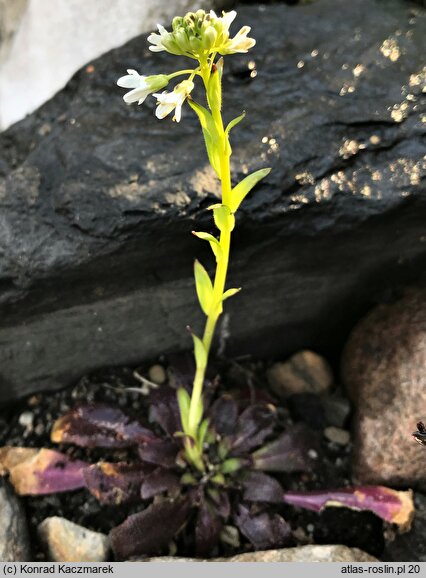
(69, 542)
(157, 374)
(384, 371)
(304, 372)
(337, 435)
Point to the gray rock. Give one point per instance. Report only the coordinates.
(14, 540)
(69, 542)
(301, 554)
(97, 200)
(336, 409)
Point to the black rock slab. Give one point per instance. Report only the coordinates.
(97, 199)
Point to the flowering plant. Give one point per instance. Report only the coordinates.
(202, 466)
(202, 36)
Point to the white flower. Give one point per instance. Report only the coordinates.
(168, 101)
(240, 42)
(142, 85)
(163, 41)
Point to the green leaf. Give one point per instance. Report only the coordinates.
(202, 431)
(184, 402)
(240, 191)
(200, 352)
(210, 133)
(223, 217)
(214, 243)
(203, 286)
(214, 90)
(234, 122)
(230, 293)
(198, 416)
(231, 465)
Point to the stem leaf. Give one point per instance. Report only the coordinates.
(204, 287)
(211, 136)
(234, 122)
(240, 191)
(200, 352)
(223, 217)
(230, 293)
(214, 87)
(184, 402)
(214, 243)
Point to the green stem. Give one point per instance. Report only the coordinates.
(193, 453)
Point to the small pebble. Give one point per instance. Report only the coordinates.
(26, 420)
(39, 429)
(310, 528)
(34, 400)
(69, 542)
(337, 435)
(313, 454)
(157, 374)
(304, 372)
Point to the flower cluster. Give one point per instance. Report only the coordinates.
(199, 35)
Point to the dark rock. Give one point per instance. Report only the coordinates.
(411, 545)
(96, 213)
(14, 541)
(336, 409)
(307, 407)
(361, 530)
(384, 371)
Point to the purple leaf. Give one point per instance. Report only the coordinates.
(390, 505)
(294, 451)
(37, 472)
(150, 531)
(99, 426)
(159, 481)
(264, 530)
(160, 453)
(223, 415)
(207, 529)
(259, 487)
(254, 425)
(164, 409)
(116, 484)
(221, 502)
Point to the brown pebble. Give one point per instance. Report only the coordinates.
(304, 372)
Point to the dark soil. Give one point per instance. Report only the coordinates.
(29, 422)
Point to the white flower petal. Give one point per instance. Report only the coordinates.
(161, 30)
(228, 18)
(135, 95)
(163, 110)
(129, 81)
(178, 112)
